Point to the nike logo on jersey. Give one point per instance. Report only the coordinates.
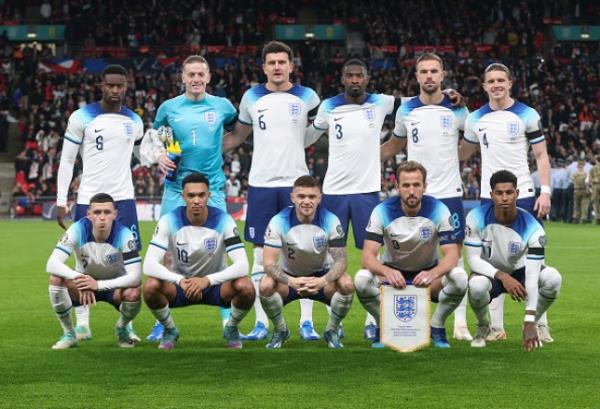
(290, 244)
(181, 244)
(337, 119)
(98, 130)
(414, 123)
(482, 129)
(395, 235)
(260, 111)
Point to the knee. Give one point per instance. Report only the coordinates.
(131, 294)
(57, 281)
(266, 286)
(152, 286)
(479, 286)
(459, 279)
(245, 288)
(344, 285)
(364, 282)
(551, 282)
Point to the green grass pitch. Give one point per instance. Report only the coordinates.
(200, 372)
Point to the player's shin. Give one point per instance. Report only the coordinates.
(273, 306)
(257, 274)
(497, 312)
(367, 290)
(550, 283)
(479, 298)
(163, 315)
(82, 313)
(460, 313)
(129, 310)
(61, 304)
(450, 296)
(237, 315)
(340, 306)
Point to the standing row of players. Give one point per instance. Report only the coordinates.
(277, 113)
(305, 257)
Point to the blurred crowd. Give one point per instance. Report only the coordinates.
(560, 80)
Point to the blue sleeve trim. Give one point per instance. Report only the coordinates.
(70, 139)
(158, 245)
(244, 122)
(273, 245)
(234, 247)
(537, 140)
(63, 250)
(316, 127)
(398, 136)
(133, 261)
(473, 142)
(472, 244)
(530, 257)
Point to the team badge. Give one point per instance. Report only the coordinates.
(64, 239)
(340, 230)
(446, 121)
(319, 242)
(210, 117)
(251, 232)
(236, 231)
(425, 233)
(369, 114)
(128, 129)
(405, 307)
(512, 129)
(514, 247)
(131, 245)
(112, 258)
(294, 109)
(210, 245)
(543, 241)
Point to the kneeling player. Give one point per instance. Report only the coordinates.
(109, 270)
(410, 227)
(199, 236)
(505, 248)
(310, 240)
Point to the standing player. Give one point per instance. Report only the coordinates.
(108, 269)
(305, 257)
(196, 120)
(411, 227)
(504, 129)
(277, 113)
(104, 134)
(200, 235)
(431, 124)
(505, 248)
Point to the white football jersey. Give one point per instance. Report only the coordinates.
(105, 144)
(432, 133)
(504, 137)
(279, 121)
(354, 164)
(304, 247)
(410, 243)
(505, 247)
(102, 261)
(197, 250)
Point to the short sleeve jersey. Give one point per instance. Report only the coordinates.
(505, 247)
(197, 250)
(504, 137)
(410, 243)
(198, 127)
(101, 261)
(354, 142)
(432, 134)
(304, 247)
(278, 121)
(105, 144)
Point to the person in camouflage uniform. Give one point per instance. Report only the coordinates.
(581, 194)
(594, 183)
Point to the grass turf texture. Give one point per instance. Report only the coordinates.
(200, 372)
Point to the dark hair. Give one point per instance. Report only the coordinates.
(195, 177)
(411, 166)
(273, 47)
(355, 61)
(503, 176)
(102, 198)
(114, 69)
(428, 57)
(306, 181)
(496, 66)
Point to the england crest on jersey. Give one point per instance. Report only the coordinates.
(446, 122)
(512, 129)
(320, 242)
(210, 117)
(128, 129)
(369, 114)
(210, 244)
(112, 258)
(514, 247)
(425, 233)
(405, 307)
(294, 109)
